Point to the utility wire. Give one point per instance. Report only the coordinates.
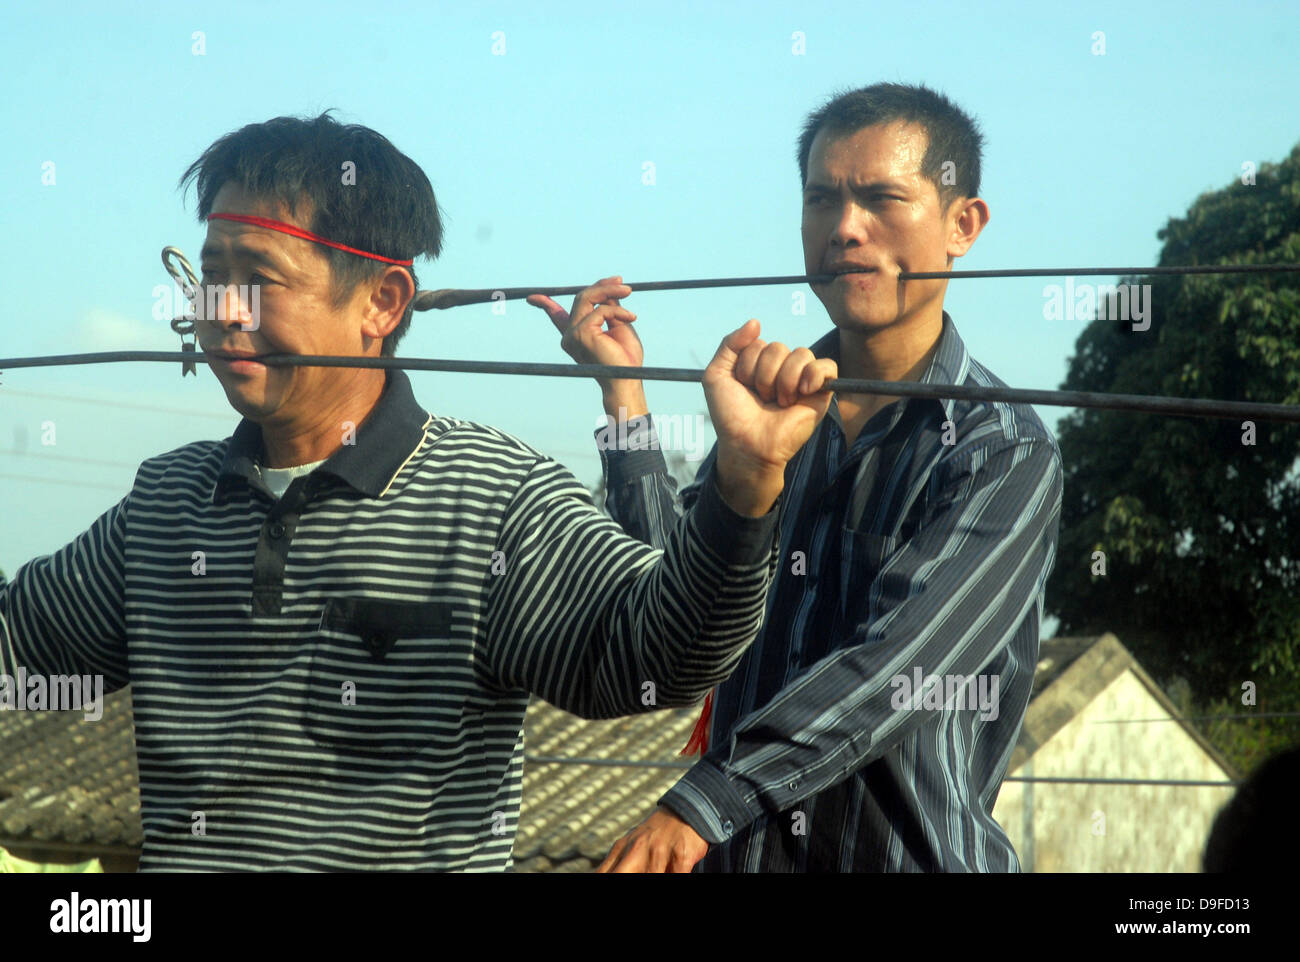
(1141, 403)
(111, 403)
(628, 763)
(458, 297)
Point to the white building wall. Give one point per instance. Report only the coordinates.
(1114, 828)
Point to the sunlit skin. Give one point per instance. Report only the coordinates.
(867, 203)
(301, 410)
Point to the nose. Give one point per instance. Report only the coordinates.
(849, 229)
(232, 306)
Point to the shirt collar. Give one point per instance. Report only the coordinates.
(949, 365)
(384, 443)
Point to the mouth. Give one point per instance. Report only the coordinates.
(239, 362)
(840, 272)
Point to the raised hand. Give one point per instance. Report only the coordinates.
(585, 340)
(765, 401)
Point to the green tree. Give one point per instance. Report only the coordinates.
(1198, 519)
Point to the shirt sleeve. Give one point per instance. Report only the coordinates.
(602, 625)
(63, 614)
(945, 601)
(640, 494)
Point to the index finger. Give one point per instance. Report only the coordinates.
(816, 374)
(612, 858)
(558, 315)
(604, 290)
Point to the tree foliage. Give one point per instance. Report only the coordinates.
(1200, 529)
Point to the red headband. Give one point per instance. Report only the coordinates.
(304, 234)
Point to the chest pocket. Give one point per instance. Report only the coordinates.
(862, 556)
(387, 676)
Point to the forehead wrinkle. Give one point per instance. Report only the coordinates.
(275, 248)
(897, 150)
(274, 254)
(240, 250)
(864, 184)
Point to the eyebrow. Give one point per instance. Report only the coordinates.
(243, 252)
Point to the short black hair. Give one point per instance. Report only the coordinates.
(1256, 831)
(953, 134)
(389, 210)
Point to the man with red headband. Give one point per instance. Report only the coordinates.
(332, 621)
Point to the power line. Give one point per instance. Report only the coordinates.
(602, 762)
(74, 459)
(1148, 404)
(628, 763)
(105, 402)
(458, 297)
(1245, 716)
(79, 484)
(1123, 781)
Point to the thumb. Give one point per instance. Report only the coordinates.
(724, 361)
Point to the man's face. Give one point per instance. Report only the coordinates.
(296, 312)
(866, 203)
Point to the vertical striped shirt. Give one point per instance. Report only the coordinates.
(870, 725)
(336, 679)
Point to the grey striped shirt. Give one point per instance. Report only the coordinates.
(337, 679)
(854, 734)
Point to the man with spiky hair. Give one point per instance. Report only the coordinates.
(332, 620)
(870, 725)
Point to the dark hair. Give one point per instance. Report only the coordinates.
(953, 134)
(1256, 831)
(389, 210)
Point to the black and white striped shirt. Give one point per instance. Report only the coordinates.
(337, 679)
(920, 552)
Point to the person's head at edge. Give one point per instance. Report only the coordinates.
(891, 177)
(350, 185)
(1255, 832)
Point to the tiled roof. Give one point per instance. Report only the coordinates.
(573, 813)
(1071, 673)
(74, 782)
(67, 780)
(64, 779)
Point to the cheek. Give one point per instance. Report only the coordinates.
(813, 240)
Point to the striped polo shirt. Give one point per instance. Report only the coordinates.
(336, 679)
(870, 725)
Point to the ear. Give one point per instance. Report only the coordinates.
(967, 216)
(386, 302)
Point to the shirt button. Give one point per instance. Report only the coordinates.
(276, 530)
(728, 827)
(794, 786)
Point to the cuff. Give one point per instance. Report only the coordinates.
(706, 800)
(736, 538)
(629, 449)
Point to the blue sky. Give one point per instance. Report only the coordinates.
(537, 156)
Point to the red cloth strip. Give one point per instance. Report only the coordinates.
(699, 740)
(305, 235)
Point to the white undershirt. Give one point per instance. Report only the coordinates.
(278, 479)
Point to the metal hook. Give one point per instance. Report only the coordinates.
(188, 281)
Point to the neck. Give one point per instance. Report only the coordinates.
(305, 440)
(895, 353)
